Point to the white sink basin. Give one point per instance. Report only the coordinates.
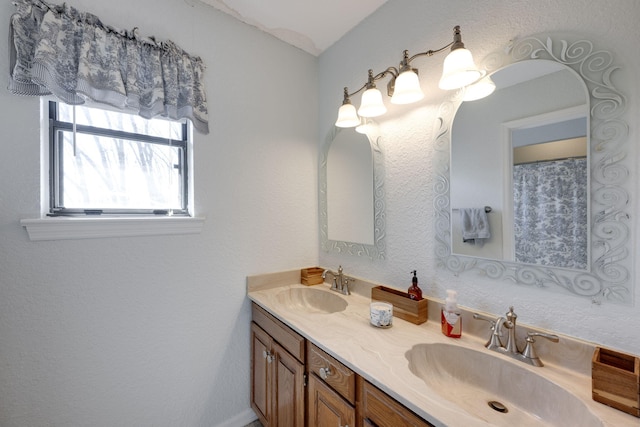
(311, 300)
(471, 379)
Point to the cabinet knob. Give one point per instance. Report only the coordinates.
(324, 373)
(267, 355)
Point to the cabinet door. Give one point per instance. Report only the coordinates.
(327, 408)
(287, 389)
(260, 374)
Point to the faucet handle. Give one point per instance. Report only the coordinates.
(529, 351)
(479, 316)
(550, 337)
(345, 284)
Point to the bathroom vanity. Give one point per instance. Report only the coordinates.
(316, 360)
(279, 374)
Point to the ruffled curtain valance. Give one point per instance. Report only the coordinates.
(72, 55)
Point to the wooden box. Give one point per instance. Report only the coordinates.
(616, 380)
(403, 306)
(311, 276)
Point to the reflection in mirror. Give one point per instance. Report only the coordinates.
(549, 194)
(350, 188)
(597, 263)
(351, 193)
(536, 105)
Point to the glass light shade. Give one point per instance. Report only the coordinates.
(459, 70)
(479, 90)
(363, 127)
(407, 88)
(371, 104)
(347, 116)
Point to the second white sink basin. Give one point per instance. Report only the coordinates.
(498, 391)
(311, 300)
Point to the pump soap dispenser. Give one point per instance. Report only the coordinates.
(450, 318)
(415, 293)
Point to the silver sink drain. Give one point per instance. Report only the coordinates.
(497, 406)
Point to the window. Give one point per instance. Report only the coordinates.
(109, 162)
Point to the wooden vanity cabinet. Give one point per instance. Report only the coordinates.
(331, 396)
(377, 409)
(335, 396)
(277, 372)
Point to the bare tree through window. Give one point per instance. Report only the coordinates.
(118, 161)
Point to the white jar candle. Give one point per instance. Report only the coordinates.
(381, 314)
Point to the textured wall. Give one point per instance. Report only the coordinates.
(155, 330)
(408, 134)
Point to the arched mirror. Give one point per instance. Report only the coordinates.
(351, 193)
(545, 154)
(523, 152)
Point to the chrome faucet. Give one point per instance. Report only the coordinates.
(528, 354)
(340, 281)
(334, 286)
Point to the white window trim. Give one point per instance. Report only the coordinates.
(65, 228)
(72, 228)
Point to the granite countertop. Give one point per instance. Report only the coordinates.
(378, 355)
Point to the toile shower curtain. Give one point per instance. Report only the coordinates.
(550, 212)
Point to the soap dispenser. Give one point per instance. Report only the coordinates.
(450, 318)
(415, 293)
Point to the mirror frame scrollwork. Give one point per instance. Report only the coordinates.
(377, 250)
(609, 276)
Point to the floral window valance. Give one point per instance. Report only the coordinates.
(71, 54)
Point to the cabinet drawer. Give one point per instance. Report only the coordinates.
(380, 410)
(334, 373)
(284, 335)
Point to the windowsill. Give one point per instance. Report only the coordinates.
(68, 228)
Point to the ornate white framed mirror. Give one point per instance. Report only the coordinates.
(542, 83)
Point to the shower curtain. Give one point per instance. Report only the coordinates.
(550, 212)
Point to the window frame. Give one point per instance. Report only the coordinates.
(56, 126)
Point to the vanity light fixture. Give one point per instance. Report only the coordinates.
(459, 70)
(347, 116)
(480, 89)
(371, 104)
(365, 126)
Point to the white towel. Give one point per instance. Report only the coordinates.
(475, 225)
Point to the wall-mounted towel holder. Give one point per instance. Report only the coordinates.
(487, 209)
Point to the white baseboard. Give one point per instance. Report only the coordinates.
(240, 420)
